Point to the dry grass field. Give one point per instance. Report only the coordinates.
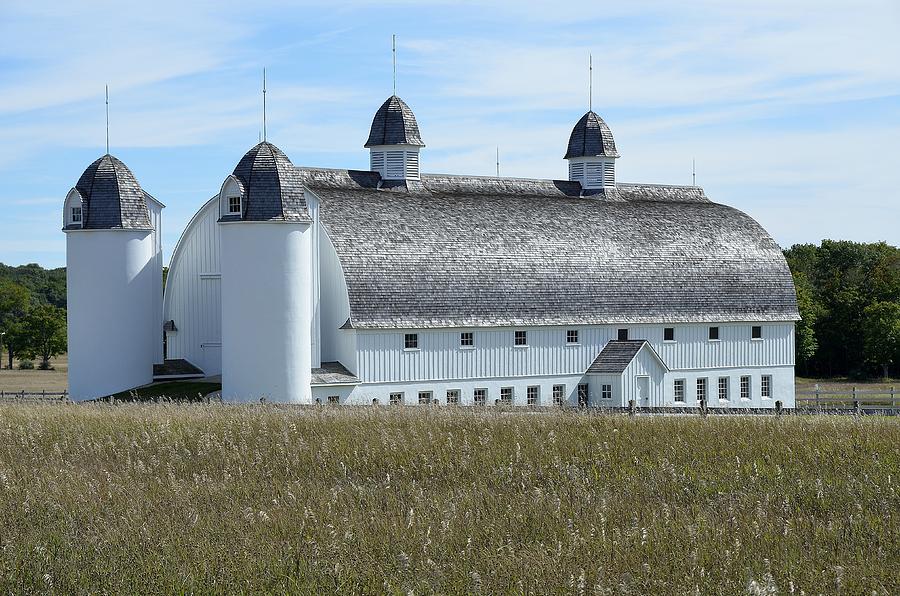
(212, 498)
(55, 380)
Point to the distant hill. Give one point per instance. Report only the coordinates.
(46, 285)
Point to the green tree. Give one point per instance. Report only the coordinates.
(45, 329)
(806, 343)
(882, 334)
(14, 301)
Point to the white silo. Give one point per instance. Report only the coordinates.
(112, 272)
(266, 266)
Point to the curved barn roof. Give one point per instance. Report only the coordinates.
(460, 251)
(394, 124)
(111, 197)
(273, 190)
(591, 137)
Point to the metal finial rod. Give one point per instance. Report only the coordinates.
(590, 82)
(264, 106)
(498, 161)
(693, 172)
(394, 59)
(107, 119)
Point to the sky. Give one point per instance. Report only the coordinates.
(791, 109)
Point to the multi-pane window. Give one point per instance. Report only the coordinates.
(583, 395)
(334, 400)
(452, 397)
(756, 332)
(424, 397)
(466, 339)
(480, 397)
(606, 392)
(623, 334)
(765, 386)
(234, 204)
(533, 394)
(76, 214)
(411, 341)
(395, 399)
(669, 334)
(506, 396)
(745, 387)
(679, 390)
(521, 338)
(714, 333)
(723, 388)
(701, 389)
(559, 394)
(572, 336)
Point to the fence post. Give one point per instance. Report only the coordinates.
(631, 407)
(703, 409)
(893, 406)
(778, 407)
(856, 407)
(818, 403)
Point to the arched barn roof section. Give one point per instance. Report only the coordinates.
(111, 197)
(272, 187)
(591, 137)
(462, 251)
(394, 124)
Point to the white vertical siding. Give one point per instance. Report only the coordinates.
(644, 364)
(156, 208)
(338, 345)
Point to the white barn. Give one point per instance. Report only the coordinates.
(308, 285)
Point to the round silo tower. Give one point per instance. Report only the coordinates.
(113, 273)
(266, 264)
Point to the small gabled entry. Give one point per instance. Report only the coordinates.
(628, 370)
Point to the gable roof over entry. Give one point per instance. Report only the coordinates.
(616, 355)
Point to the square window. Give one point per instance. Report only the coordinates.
(679, 390)
(572, 336)
(234, 204)
(713, 333)
(745, 387)
(533, 394)
(411, 341)
(480, 397)
(424, 397)
(669, 334)
(559, 394)
(76, 214)
(623, 334)
(583, 395)
(606, 392)
(396, 399)
(723, 388)
(334, 400)
(452, 397)
(765, 386)
(756, 332)
(466, 339)
(521, 338)
(701, 389)
(506, 396)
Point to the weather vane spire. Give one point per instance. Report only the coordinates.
(693, 172)
(107, 119)
(264, 106)
(394, 59)
(590, 82)
(498, 161)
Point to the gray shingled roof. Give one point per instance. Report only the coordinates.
(591, 137)
(394, 124)
(333, 373)
(615, 356)
(273, 189)
(111, 197)
(458, 251)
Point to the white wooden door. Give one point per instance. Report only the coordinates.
(643, 388)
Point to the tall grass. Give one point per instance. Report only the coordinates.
(152, 498)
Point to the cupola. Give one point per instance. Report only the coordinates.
(592, 153)
(106, 197)
(265, 186)
(394, 141)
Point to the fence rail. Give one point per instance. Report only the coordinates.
(33, 396)
(860, 401)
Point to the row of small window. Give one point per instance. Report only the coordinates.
(520, 338)
(507, 395)
(724, 387)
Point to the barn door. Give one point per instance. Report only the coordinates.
(643, 390)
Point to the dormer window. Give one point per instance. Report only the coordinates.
(234, 205)
(231, 198)
(76, 214)
(73, 214)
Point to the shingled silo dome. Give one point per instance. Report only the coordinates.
(591, 137)
(394, 124)
(110, 198)
(268, 186)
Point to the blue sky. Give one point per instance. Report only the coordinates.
(791, 109)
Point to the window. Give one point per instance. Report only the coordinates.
(559, 394)
(234, 205)
(723, 388)
(506, 396)
(756, 332)
(679, 390)
(76, 214)
(701, 389)
(623, 334)
(582, 395)
(572, 336)
(745, 387)
(480, 397)
(452, 397)
(605, 391)
(466, 339)
(534, 395)
(669, 334)
(395, 399)
(334, 400)
(765, 387)
(424, 397)
(521, 338)
(411, 341)
(713, 333)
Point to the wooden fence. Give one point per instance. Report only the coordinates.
(858, 401)
(34, 396)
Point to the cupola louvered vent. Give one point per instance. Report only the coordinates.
(395, 163)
